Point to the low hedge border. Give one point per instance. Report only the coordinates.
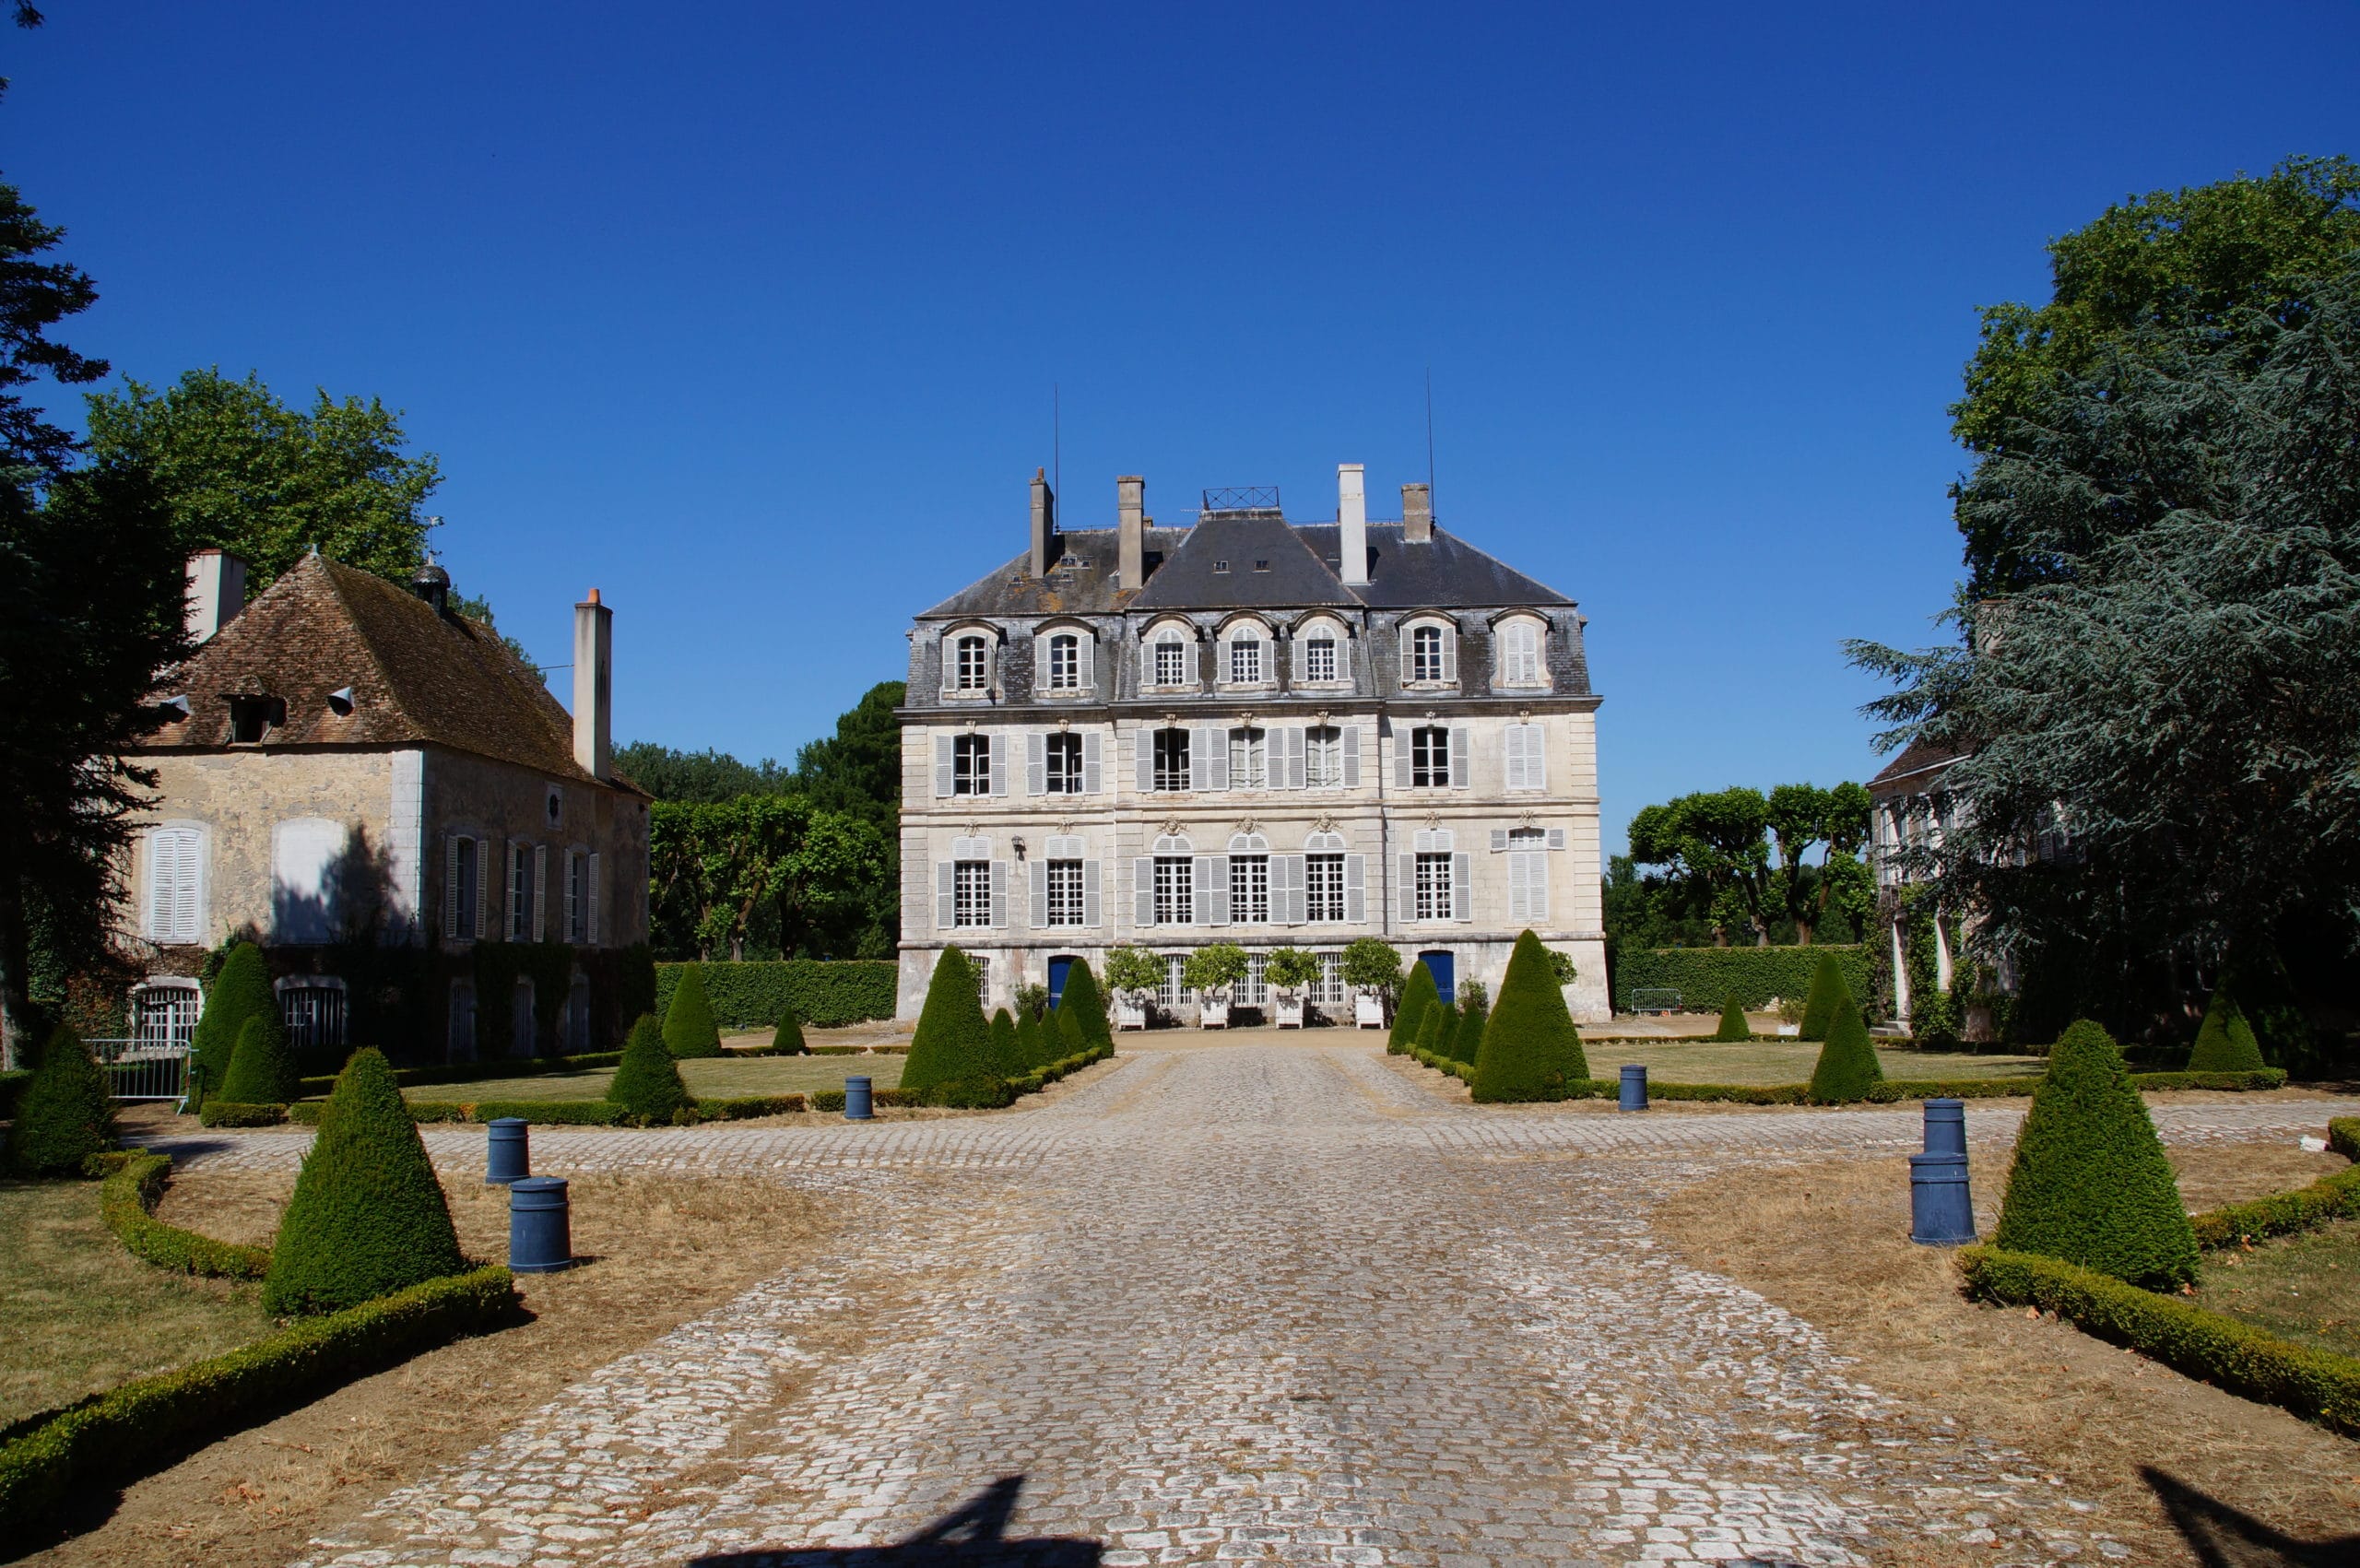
(824, 993)
(1463, 1071)
(546, 1113)
(1888, 1092)
(121, 1433)
(127, 1200)
(2343, 1137)
(2318, 1386)
(479, 1072)
(2282, 1213)
(230, 1114)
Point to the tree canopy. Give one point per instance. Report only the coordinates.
(35, 295)
(1737, 860)
(772, 871)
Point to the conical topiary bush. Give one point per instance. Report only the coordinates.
(1418, 994)
(367, 1216)
(1070, 1040)
(1032, 1040)
(1819, 1003)
(1002, 1059)
(689, 1029)
(1467, 1043)
(64, 1114)
(1733, 1021)
(789, 1040)
(2226, 1042)
(1848, 1067)
(1429, 1030)
(262, 1072)
(2090, 1183)
(951, 1039)
(1089, 1005)
(1530, 1050)
(240, 990)
(647, 1081)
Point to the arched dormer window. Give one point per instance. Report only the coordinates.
(1168, 658)
(1247, 655)
(1429, 652)
(1519, 659)
(1065, 661)
(1320, 655)
(967, 662)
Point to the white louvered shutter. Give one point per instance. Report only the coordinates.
(1288, 890)
(1037, 761)
(1040, 894)
(1142, 892)
(1512, 757)
(590, 924)
(1040, 663)
(483, 887)
(1519, 895)
(1556, 838)
(1090, 915)
(1087, 652)
(1408, 637)
(1462, 886)
(540, 889)
(1450, 655)
(1201, 888)
(1536, 756)
(1402, 744)
(1298, 747)
(161, 881)
(1355, 889)
(1462, 756)
(1145, 753)
(1094, 750)
(946, 895)
(1351, 734)
(999, 895)
(998, 747)
(1499, 840)
(451, 888)
(1536, 886)
(188, 885)
(1409, 886)
(942, 767)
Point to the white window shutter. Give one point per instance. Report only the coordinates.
(1499, 840)
(1462, 887)
(946, 895)
(1298, 745)
(999, 895)
(1404, 741)
(540, 891)
(1037, 761)
(1462, 755)
(942, 765)
(1351, 734)
(590, 925)
(1092, 755)
(1536, 756)
(572, 921)
(1409, 639)
(997, 746)
(1287, 872)
(1355, 889)
(1519, 904)
(1556, 838)
(1145, 753)
(188, 893)
(484, 874)
(1515, 757)
(162, 879)
(1200, 877)
(451, 888)
(1536, 886)
(1409, 886)
(1142, 892)
(1450, 655)
(1086, 651)
(1040, 894)
(1041, 662)
(1090, 915)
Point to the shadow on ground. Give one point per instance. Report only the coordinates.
(975, 1536)
(2221, 1537)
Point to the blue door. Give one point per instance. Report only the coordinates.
(1058, 969)
(1438, 965)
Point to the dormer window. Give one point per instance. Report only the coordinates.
(1065, 662)
(1519, 655)
(1245, 661)
(1429, 651)
(970, 664)
(1168, 651)
(1426, 653)
(1221, 569)
(253, 718)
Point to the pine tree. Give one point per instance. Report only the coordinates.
(64, 1114)
(689, 1029)
(789, 1040)
(1003, 1059)
(2091, 1184)
(367, 1216)
(1530, 1049)
(1819, 1005)
(951, 1039)
(1468, 1043)
(1733, 1021)
(262, 1072)
(647, 1081)
(1418, 994)
(2226, 1042)
(240, 990)
(1089, 1005)
(1848, 1067)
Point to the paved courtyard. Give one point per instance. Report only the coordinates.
(1249, 1303)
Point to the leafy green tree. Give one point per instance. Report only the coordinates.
(1715, 849)
(1530, 1049)
(241, 991)
(699, 778)
(241, 471)
(953, 1041)
(1291, 971)
(367, 1216)
(718, 872)
(1418, 994)
(64, 1114)
(1215, 968)
(36, 295)
(1734, 1023)
(1081, 998)
(1824, 999)
(1847, 1065)
(689, 1029)
(1132, 972)
(647, 1082)
(857, 771)
(1372, 966)
(2226, 1042)
(1835, 821)
(261, 1070)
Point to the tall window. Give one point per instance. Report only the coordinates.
(1175, 991)
(1065, 662)
(971, 893)
(1172, 662)
(1319, 659)
(1323, 887)
(1171, 759)
(1174, 890)
(173, 867)
(1329, 990)
(1430, 757)
(1246, 660)
(465, 892)
(1062, 754)
(1065, 892)
(1249, 889)
(520, 892)
(1249, 759)
(1426, 653)
(1528, 874)
(314, 1016)
(1324, 757)
(1433, 887)
(577, 897)
(1520, 653)
(973, 667)
(1253, 991)
(971, 764)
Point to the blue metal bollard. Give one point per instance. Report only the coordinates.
(857, 1101)
(507, 1157)
(540, 1226)
(1941, 1212)
(1635, 1088)
(1946, 1126)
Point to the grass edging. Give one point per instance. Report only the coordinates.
(118, 1434)
(128, 1201)
(2317, 1385)
(2282, 1213)
(1885, 1093)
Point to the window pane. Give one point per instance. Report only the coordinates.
(1064, 755)
(1171, 664)
(971, 764)
(1430, 757)
(1249, 759)
(1249, 889)
(972, 666)
(1065, 892)
(1433, 887)
(1319, 659)
(971, 903)
(1171, 759)
(1173, 890)
(1244, 662)
(1324, 757)
(1324, 887)
(1065, 662)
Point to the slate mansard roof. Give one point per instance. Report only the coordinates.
(418, 677)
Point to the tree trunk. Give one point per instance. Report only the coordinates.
(1803, 929)
(17, 1022)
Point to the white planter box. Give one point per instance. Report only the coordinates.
(1789, 1031)
(1129, 1014)
(1290, 1012)
(1212, 1015)
(1368, 1012)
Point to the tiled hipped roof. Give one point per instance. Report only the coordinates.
(418, 679)
(1919, 759)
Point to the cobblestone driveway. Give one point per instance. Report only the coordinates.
(1253, 1303)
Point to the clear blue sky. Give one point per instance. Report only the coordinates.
(749, 315)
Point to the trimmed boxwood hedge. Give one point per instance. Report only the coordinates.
(2343, 1137)
(123, 1432)
(64, 1116)
(2282, 1213)
(689, 1029)
(237, 1114)
(127, 1202)
(1892, 1090)
(476, 1072)
(2226, 1042)
(825, 994)
(2318, 1386)
(1707, 977)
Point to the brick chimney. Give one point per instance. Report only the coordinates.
(1044, 520)
(1130, 527)
(216, 592)
(1416, 515)
(593, 687)
(1351, 519)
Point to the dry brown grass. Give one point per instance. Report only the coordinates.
(664, 1249)
(1829, 1241)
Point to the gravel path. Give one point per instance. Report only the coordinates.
(1245, 1304)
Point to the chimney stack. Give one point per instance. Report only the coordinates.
(216, 592)
(593, 687)
(1352, 518)
(1130, 526)
(1416, 515)
(1044, 520)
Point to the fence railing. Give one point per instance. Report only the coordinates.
(143, 1069)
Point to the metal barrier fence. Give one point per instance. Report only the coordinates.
(1655, 1001)
(143, 1069)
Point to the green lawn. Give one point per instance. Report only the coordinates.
(1761, 1062)
(714, 1078)
(78, 1313)
(2304, 1288)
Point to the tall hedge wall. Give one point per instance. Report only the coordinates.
(1706, 977)
(825, 993)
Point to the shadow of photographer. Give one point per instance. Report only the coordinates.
(975, 1536)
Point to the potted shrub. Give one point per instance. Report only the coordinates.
(1134, 975)
(1212, 972)
(1373, 971)
(1290, 972)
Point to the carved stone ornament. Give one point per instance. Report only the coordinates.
(1064, 724)
(1433, 820)
(1323, 823)
(1528, 821)
(1173, 828)
(1066, 828)
(1249, 827)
